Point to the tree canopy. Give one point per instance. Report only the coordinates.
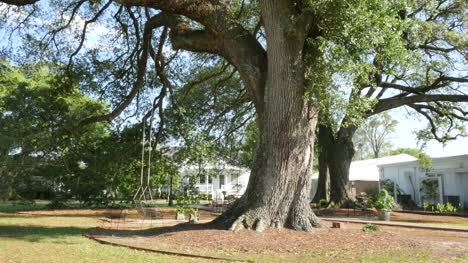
(296, 60)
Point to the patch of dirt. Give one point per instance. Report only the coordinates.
(349, 240)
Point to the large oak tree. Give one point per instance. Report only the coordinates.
(280, 181)
(282, 50)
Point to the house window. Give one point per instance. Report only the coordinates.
(210, 179)
(234, 179)
(221, 180)
(202, 178)
(452, 199)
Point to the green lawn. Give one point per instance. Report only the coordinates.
(11, 207)
(18, 206)
(59, 239)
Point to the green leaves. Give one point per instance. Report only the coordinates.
(384, 201)
(37, 113)
(425, 162)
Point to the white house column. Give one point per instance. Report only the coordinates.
(441, 188)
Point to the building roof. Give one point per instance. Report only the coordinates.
(463, 158)
(368, 170)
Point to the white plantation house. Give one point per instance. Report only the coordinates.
(215, 178)
(446, 182)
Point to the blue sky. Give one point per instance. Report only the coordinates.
(404, 137)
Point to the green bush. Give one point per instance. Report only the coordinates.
(323, 203)
(206, 197)
(350, 203)
(384, 201)
(370, 228)
(57, 204)
(441, 208)
(429, 207)
(231, 197)
(163, 196)
(180, 210)
(194, 212)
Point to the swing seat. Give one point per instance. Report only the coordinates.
(148, 212)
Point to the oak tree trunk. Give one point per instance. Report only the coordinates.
(278, 193)
(339, 165)
(323, 188)
(340, 155)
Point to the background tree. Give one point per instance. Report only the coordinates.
(425, 161)
(416, 59)
(34, 115)
(372, 138)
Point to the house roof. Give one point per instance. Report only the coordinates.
(368, 170)
(436, 160)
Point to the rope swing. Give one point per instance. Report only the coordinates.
(144, 190)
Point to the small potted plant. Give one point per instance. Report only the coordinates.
(384, 205)
(194, 215)
(180, 213)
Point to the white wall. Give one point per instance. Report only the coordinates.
(405, 178)
(453, 179)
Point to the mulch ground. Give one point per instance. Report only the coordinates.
(348, 241)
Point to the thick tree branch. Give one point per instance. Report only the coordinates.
(19, 2)
(156, 21)
(437, 83)
(392, 103)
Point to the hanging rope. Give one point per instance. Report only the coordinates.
(142, 174)
(144, 189)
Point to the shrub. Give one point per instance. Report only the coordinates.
(447, 208)
(384, 201)
(163, 196)
(180, 210)
(349, 203)
(231, 197)
(441, 208)
(57, 204)
(206, 197)
(323, 203)
(370, 228)
(194, 212)
(429, 207)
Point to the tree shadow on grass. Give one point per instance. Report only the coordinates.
(38, 233)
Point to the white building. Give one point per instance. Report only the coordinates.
(364, 174)
(214, 178)
(447, 181)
